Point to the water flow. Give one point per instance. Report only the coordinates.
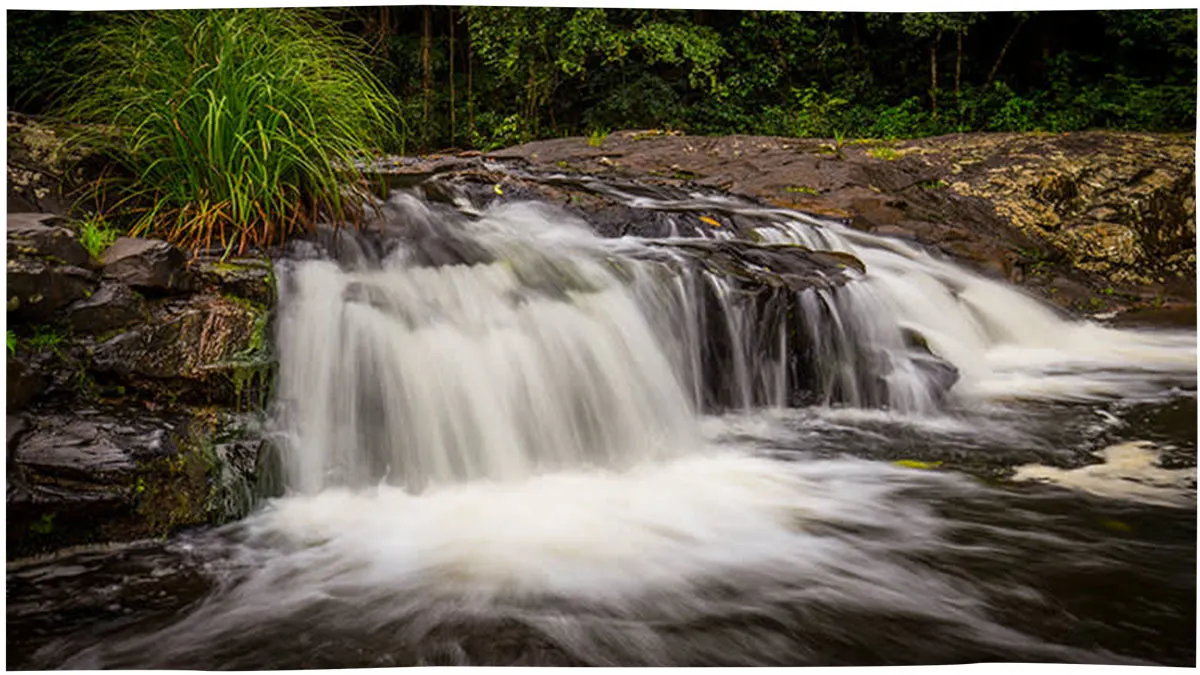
(413, 375)
(524, 439)
(1003, 342)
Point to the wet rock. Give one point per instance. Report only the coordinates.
(247, 278)
(202, 350)
(111, 307)
(112, 475)
(621, 221)
(769, 265)
(41, 235)
(37, 289)
(148, 265)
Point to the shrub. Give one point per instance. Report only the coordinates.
(240, 126)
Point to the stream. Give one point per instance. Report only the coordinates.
(507, 440)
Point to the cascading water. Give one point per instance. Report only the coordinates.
(539, 361)
(509, 440)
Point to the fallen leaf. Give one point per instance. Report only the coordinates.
(710, 221)
(916, 464)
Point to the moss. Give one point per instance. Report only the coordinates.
(171, 492)
(884, 153)
(195, 486)
(801, 189)
(44, 526)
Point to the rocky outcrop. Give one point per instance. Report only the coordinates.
(133, 388)
(1093, 221)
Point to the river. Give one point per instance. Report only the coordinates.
(578, 450)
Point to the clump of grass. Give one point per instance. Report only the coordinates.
(237, 126)
(96, 236)
(596, 138)
(885, 153)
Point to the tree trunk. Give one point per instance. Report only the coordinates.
(1003, 50)
(426, 54)
(958, 66)
(452, 130)
(933, 76)
(470, 89)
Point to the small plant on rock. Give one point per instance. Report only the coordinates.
(96, 236)
(884, 153)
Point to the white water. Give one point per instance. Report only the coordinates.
(500, 439)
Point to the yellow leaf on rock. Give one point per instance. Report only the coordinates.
(916, 464)
(497, 189)
(1116, 525)
(710, 221)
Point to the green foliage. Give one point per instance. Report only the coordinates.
(46, 337)
(44, 525)
(95, 235)
(11, 341)
(499, 76)
(596, 138)
(885, 153)
(236, 126)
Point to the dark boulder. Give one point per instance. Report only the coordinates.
(149, 265)
(41, 235)
(37, 289)
(111, 307)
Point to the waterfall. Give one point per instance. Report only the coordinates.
(516, 342)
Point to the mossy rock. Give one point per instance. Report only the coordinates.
(115, 475)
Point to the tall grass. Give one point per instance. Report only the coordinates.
(234, 126)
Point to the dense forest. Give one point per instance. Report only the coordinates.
(486, 77)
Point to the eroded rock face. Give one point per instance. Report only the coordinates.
(106, 442)
(24, 384)
(112, 474)
(192, 352)
(251, 279)
(150, 265)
